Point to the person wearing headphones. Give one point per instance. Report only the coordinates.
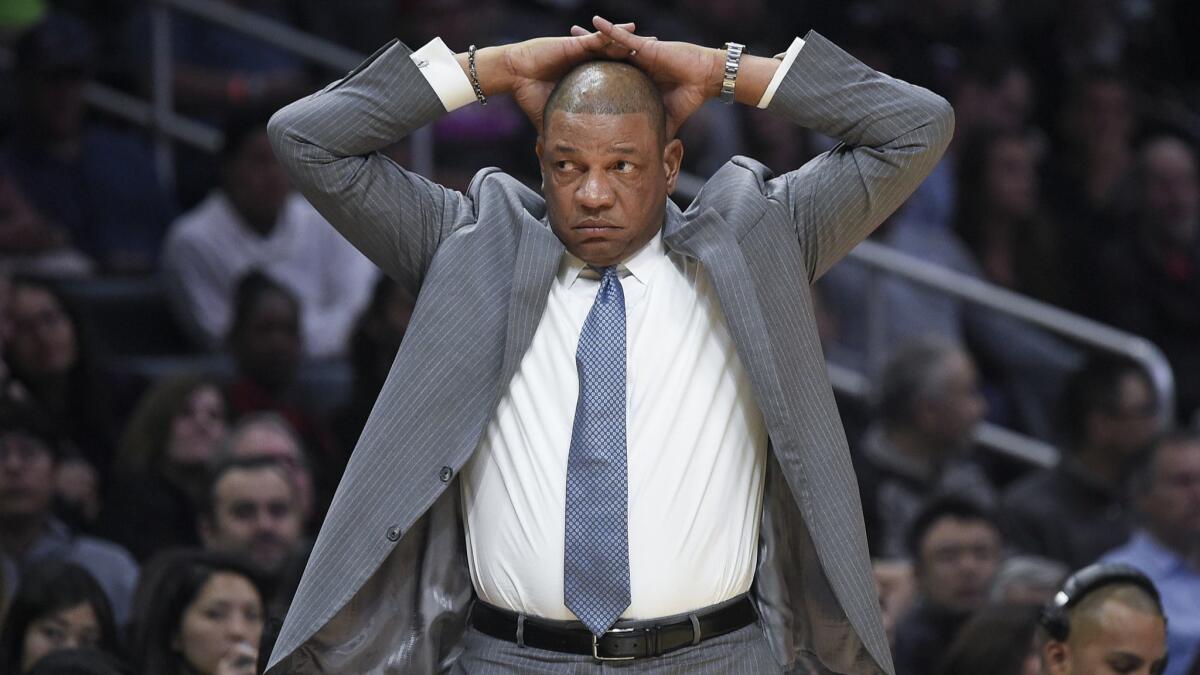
(1106, 620)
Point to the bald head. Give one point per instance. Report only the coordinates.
(1117, 628)
(608, 88)
(1088, 616)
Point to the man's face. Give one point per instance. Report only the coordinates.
(254, 515)
(255, 181)
(956, 409)
(1172, 505)
(606, 179)
(958, 560)
(1012, 178)
(268, 349)
(1128, 427)
(1171, 191)
(270, 442)
(1120, 640)
(26, 476)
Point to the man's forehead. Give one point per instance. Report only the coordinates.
(253, 482)
(619, 132)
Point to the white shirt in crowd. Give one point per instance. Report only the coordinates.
(209, 249)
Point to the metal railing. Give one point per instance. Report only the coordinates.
(168, 127)
(885, 261)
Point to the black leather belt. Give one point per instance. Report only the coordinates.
(643, 639)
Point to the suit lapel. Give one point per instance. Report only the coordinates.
(705, 235)
(538, 256)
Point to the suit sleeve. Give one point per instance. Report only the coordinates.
(329, 143)
(890, 133)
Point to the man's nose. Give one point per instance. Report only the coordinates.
(595, 192)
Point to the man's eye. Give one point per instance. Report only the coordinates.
(563, 165)
(622, 166)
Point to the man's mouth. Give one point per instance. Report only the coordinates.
(593, 226)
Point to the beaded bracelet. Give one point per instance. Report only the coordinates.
(475, 76)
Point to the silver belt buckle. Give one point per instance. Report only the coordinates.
(595, 642)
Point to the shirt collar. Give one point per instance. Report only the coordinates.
(638, 266)
(1153, 554)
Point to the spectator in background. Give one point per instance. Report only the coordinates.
(58, 606)
(250, 510)
(1090, 169)
(1115, 627)
(267, 435)
(254, 220)
(30, 242)
(161, 464)
(991, 642)
(956, 549)
(928, 407)
(1166, 547)
(197, 614)
(49, 354)
(96, 182)
(30, 533)
(1027, 580)
(999, 220)
(1076, 511)
(1150, 278)
(373, 347)
(266, 343)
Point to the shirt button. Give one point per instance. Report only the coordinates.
(421, 63)
(446, 474)
(393, 533)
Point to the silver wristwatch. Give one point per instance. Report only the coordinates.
(733, 60)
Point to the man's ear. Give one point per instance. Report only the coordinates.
(1056, 657)
(537, 150)
(672, 159)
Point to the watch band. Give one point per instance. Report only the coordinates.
(733, 60)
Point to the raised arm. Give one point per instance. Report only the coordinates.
(892, 133)
(329, 143)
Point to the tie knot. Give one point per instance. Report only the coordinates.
(610, 272)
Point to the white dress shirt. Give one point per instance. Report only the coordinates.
(210, 248)
(696, 442)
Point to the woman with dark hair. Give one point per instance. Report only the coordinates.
(48, 353)
(997, 640)
(57, 606)
(197, 613)
(160, 466)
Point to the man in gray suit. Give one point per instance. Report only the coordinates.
(604, 407)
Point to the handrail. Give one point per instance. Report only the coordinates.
(270, 31)
(1080, 329)
(1049, 317)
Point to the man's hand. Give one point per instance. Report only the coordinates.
(686, 74)
(529, 70)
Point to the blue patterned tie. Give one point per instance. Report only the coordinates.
(596, 560)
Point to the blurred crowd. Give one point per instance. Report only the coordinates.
(188, 352)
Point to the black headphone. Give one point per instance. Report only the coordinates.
(1054, 617)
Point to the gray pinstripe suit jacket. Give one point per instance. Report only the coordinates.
(387, 586)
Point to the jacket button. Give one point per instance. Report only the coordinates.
(446, 474)
(393, 533)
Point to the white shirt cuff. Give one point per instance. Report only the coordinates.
(784, 67)
(441, 70)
